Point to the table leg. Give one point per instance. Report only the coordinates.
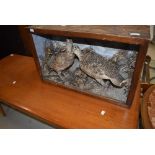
(2, 113)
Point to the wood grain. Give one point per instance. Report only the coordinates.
(144, 108)
(58, 106)
(137, 71)
(118, 33)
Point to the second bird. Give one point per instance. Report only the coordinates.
(98, 67)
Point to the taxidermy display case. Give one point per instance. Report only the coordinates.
(101, 61)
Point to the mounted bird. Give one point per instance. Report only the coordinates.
(98, 67)
(62, 59)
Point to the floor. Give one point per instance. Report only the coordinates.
(16, 120)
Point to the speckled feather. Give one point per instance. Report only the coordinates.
(63, 59)
(98, 66)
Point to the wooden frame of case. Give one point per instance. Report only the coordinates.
(135, 35)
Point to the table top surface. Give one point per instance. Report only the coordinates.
(22, 89)
(124, 31)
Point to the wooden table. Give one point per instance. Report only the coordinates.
(22, 89)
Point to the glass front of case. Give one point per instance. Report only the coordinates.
(99, 68)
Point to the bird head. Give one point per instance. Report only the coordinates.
(77, 51)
